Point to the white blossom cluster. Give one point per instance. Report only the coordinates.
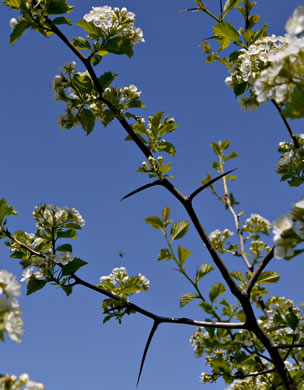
(219, 239)
(12, 382)
(34, 8)
(120, 97)
(120, 277)
(115, 23)
(271, 67)
(50, 215)
(10, 311)
(257, 224)
(288, 231)
(292, 158)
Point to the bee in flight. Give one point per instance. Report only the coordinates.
(121, 253)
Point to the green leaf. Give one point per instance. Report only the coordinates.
(292, 320)
(62, 20)
(227, 31)
(67, 289)
(203, 271)
(295, 107)
(135, 103)
(259, 34)
(207, 307)
(73, 266)
(18, 31)
(155, 222)
(164, 254)
(59, 7)
(106, 79)
(107, 117)
(5, 210)
(64, 248)
(183, 255)
(268, 277)
(239, 89)
(15, 4)
(230, 156)
(216, 290)
(70, 233)
(87, 120)
(229, 5)
(34, 285)
(94, 32)
(81, 43)
(18, 255)
(238, 276)
(95, 60)
(82, 82)
(234, 55)
(179, 229)
(185, 299)
(168, 148)
(165, 214)
(119, 45)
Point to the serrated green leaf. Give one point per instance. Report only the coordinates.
(82, 82)
(295, 107)
(168, 148)
(268, 277)
(34, 285)
(18, 31)
(292, 320)
(87, 120)
(62, 20)
(229, 5)
(238, 276)
(81, 43)
(73, 266)
(185, 299)
(155, 222)
(64, 248)
(183, 255)
(179, 229)
(203, 271)
(70, 233)
(227, 31)
(216, 290)
(207, 307)
(134, 104)
(106, 79)
(164, 254)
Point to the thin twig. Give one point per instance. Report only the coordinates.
(291, 133)
(259, 270)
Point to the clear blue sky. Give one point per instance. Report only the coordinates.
(65, 344)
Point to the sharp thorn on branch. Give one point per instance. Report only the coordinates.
(155, 183)
(153, 330)
(200, 189)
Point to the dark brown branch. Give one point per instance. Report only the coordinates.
(240, 376)
(196, 192)
(283, 346)
(291, 133)
(259, 270)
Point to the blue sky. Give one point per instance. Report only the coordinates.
(65, 344)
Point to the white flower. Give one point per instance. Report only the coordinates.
(11, 286)
(14, 325)
(295, 24)
(64, 258)
(31, 385)
(282, 224)
(13, 23)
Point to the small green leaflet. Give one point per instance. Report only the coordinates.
(73, 266)
(183, 254)
(216, 290)
(18, 31)
(87, 120)
(179, 229)
(81, 43)
(204, 270)
(186, 298)
(155, 222)
(62, 20)
(16, 4)
(295, 107)
(59, 7)
(238, 276)
(229, 5)
(165, 214)
(82, 82)
(164, 254)
(268, 277)
(34, 285)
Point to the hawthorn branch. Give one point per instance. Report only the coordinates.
(291, 133)
(259, 270)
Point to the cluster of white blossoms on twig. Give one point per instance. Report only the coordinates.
(51, 215)
(115, 22)
(12, 382)
(271, 67)
(257, 224)
(288, 231)
(10, 311)
(120, 283)
(219, 239)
